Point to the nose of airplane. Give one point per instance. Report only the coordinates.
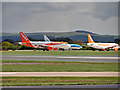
(20, 43)
(69, 45)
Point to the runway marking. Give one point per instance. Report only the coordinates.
(7, 73)
(60, 74)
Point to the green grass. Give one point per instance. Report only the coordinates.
(62, 62)
(62, 53)
(42, 81)
(34, 61)
(58, 66)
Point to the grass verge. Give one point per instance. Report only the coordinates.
(62, 53)
(42, 81)
(57, 66)
(35, 61)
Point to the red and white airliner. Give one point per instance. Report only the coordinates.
(102, 46)
(46, 45)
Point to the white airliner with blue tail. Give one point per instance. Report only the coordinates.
(72, 46)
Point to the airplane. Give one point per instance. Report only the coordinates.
(45, 45)
(101, 46)
(73, 46)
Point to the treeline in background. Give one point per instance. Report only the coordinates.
(9, 44)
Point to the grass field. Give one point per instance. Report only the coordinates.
(57, 66)
(62, 53)
(42, 81)
(62, 62)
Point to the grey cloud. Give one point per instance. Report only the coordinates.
(102, 10)
(51, 16)
(106, 10)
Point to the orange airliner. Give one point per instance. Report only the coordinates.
(46, 45)
(102, 46)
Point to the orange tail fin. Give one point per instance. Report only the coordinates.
(23, 37)
(90, 40)
(25, 40)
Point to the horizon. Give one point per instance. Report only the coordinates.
(58, 32)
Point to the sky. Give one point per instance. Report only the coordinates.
(28, 17)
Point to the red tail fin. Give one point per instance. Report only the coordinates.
(25, 40)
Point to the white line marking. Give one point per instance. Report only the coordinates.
(63, 74)
(7, 73)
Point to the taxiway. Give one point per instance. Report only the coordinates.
(59, 74)
(64, 58)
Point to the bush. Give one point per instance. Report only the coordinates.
(8, 46)
(88, 48)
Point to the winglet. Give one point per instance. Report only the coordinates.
(90, 40)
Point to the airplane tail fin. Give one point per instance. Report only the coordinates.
(24, 37)
(90, 40)
(25, 40)
(46, 38)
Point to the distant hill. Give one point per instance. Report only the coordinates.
(76, 35)
(85, 32)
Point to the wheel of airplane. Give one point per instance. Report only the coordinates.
(63, 50)
(103, 49)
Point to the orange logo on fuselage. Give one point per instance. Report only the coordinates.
(104, 44)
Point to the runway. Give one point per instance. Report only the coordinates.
(68, 86)
(63, 58)
(59, 74)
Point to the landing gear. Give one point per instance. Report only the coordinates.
(45, 50)
(115, 49)
(101, 49)
(104, 49)
(63, 49)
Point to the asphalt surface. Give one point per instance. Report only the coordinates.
(64, 58)
(68, 86)
(59, 74)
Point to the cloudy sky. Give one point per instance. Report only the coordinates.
(99, 17)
